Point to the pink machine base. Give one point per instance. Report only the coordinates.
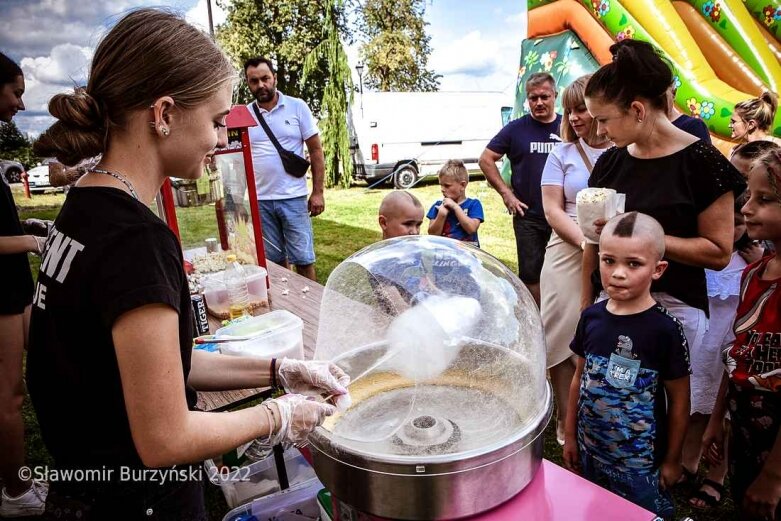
(555, 494)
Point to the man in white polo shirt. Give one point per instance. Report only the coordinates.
(282, 198)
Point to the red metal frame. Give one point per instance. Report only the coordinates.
(169, 209)
(26, 182)
(253, 196)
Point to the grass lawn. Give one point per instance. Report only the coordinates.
(348, 224)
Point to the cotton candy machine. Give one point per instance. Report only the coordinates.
(449, 399)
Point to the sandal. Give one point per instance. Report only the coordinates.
(709, 500)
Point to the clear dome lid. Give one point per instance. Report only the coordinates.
(444, 346)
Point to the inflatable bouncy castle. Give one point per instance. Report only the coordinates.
(723, 51)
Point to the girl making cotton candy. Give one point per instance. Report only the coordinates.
(111, 370)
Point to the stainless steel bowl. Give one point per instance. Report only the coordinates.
(425, 470)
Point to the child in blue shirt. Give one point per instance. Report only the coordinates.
(456, 215)
(629, 398)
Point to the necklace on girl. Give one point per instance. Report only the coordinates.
(116, 175)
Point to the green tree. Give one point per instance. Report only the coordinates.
(16, 146)
(337, 93)
(11, 138)
(396, 47)
(285, 32)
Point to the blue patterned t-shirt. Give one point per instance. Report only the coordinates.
(622, 408)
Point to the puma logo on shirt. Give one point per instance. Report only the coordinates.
(537, 147)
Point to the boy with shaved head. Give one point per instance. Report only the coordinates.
(629, 398)
(400, 214)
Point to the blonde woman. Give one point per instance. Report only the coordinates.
(566, 172)
(752, 120)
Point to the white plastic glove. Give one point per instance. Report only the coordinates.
(297, 416)
(315, 378)
(40, 244)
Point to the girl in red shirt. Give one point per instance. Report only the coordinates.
(751, 387)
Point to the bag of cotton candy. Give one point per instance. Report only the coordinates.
(593, 204)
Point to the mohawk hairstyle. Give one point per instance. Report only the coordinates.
(626, 225)
(636, 224)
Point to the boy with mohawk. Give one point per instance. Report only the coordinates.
(629, 398)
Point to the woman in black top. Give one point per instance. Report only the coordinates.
(111, 370)
(684, 183)
(19, 497)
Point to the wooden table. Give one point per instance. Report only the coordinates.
(285, 292)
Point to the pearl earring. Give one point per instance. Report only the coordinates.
(164, 130)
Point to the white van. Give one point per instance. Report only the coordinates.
(401, 137)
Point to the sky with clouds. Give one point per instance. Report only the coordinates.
(475, 46)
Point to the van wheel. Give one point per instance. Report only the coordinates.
(405, 177)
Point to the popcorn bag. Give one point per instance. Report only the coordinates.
(597, 203)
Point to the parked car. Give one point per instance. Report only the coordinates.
(38, 178)
(11, 170)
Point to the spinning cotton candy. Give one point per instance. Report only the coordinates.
(597, 203)
(461, 320)
(425, 339)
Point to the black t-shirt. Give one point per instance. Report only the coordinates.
(622, 408)
(107, 254)
(674, 190)
(16, 280)
(527, 143)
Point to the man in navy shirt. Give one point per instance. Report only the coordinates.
(526, 142)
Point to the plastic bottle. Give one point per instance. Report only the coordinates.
(236, 284)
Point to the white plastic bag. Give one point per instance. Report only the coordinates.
(597, 203)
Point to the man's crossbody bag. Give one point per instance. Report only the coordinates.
(294, 164)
